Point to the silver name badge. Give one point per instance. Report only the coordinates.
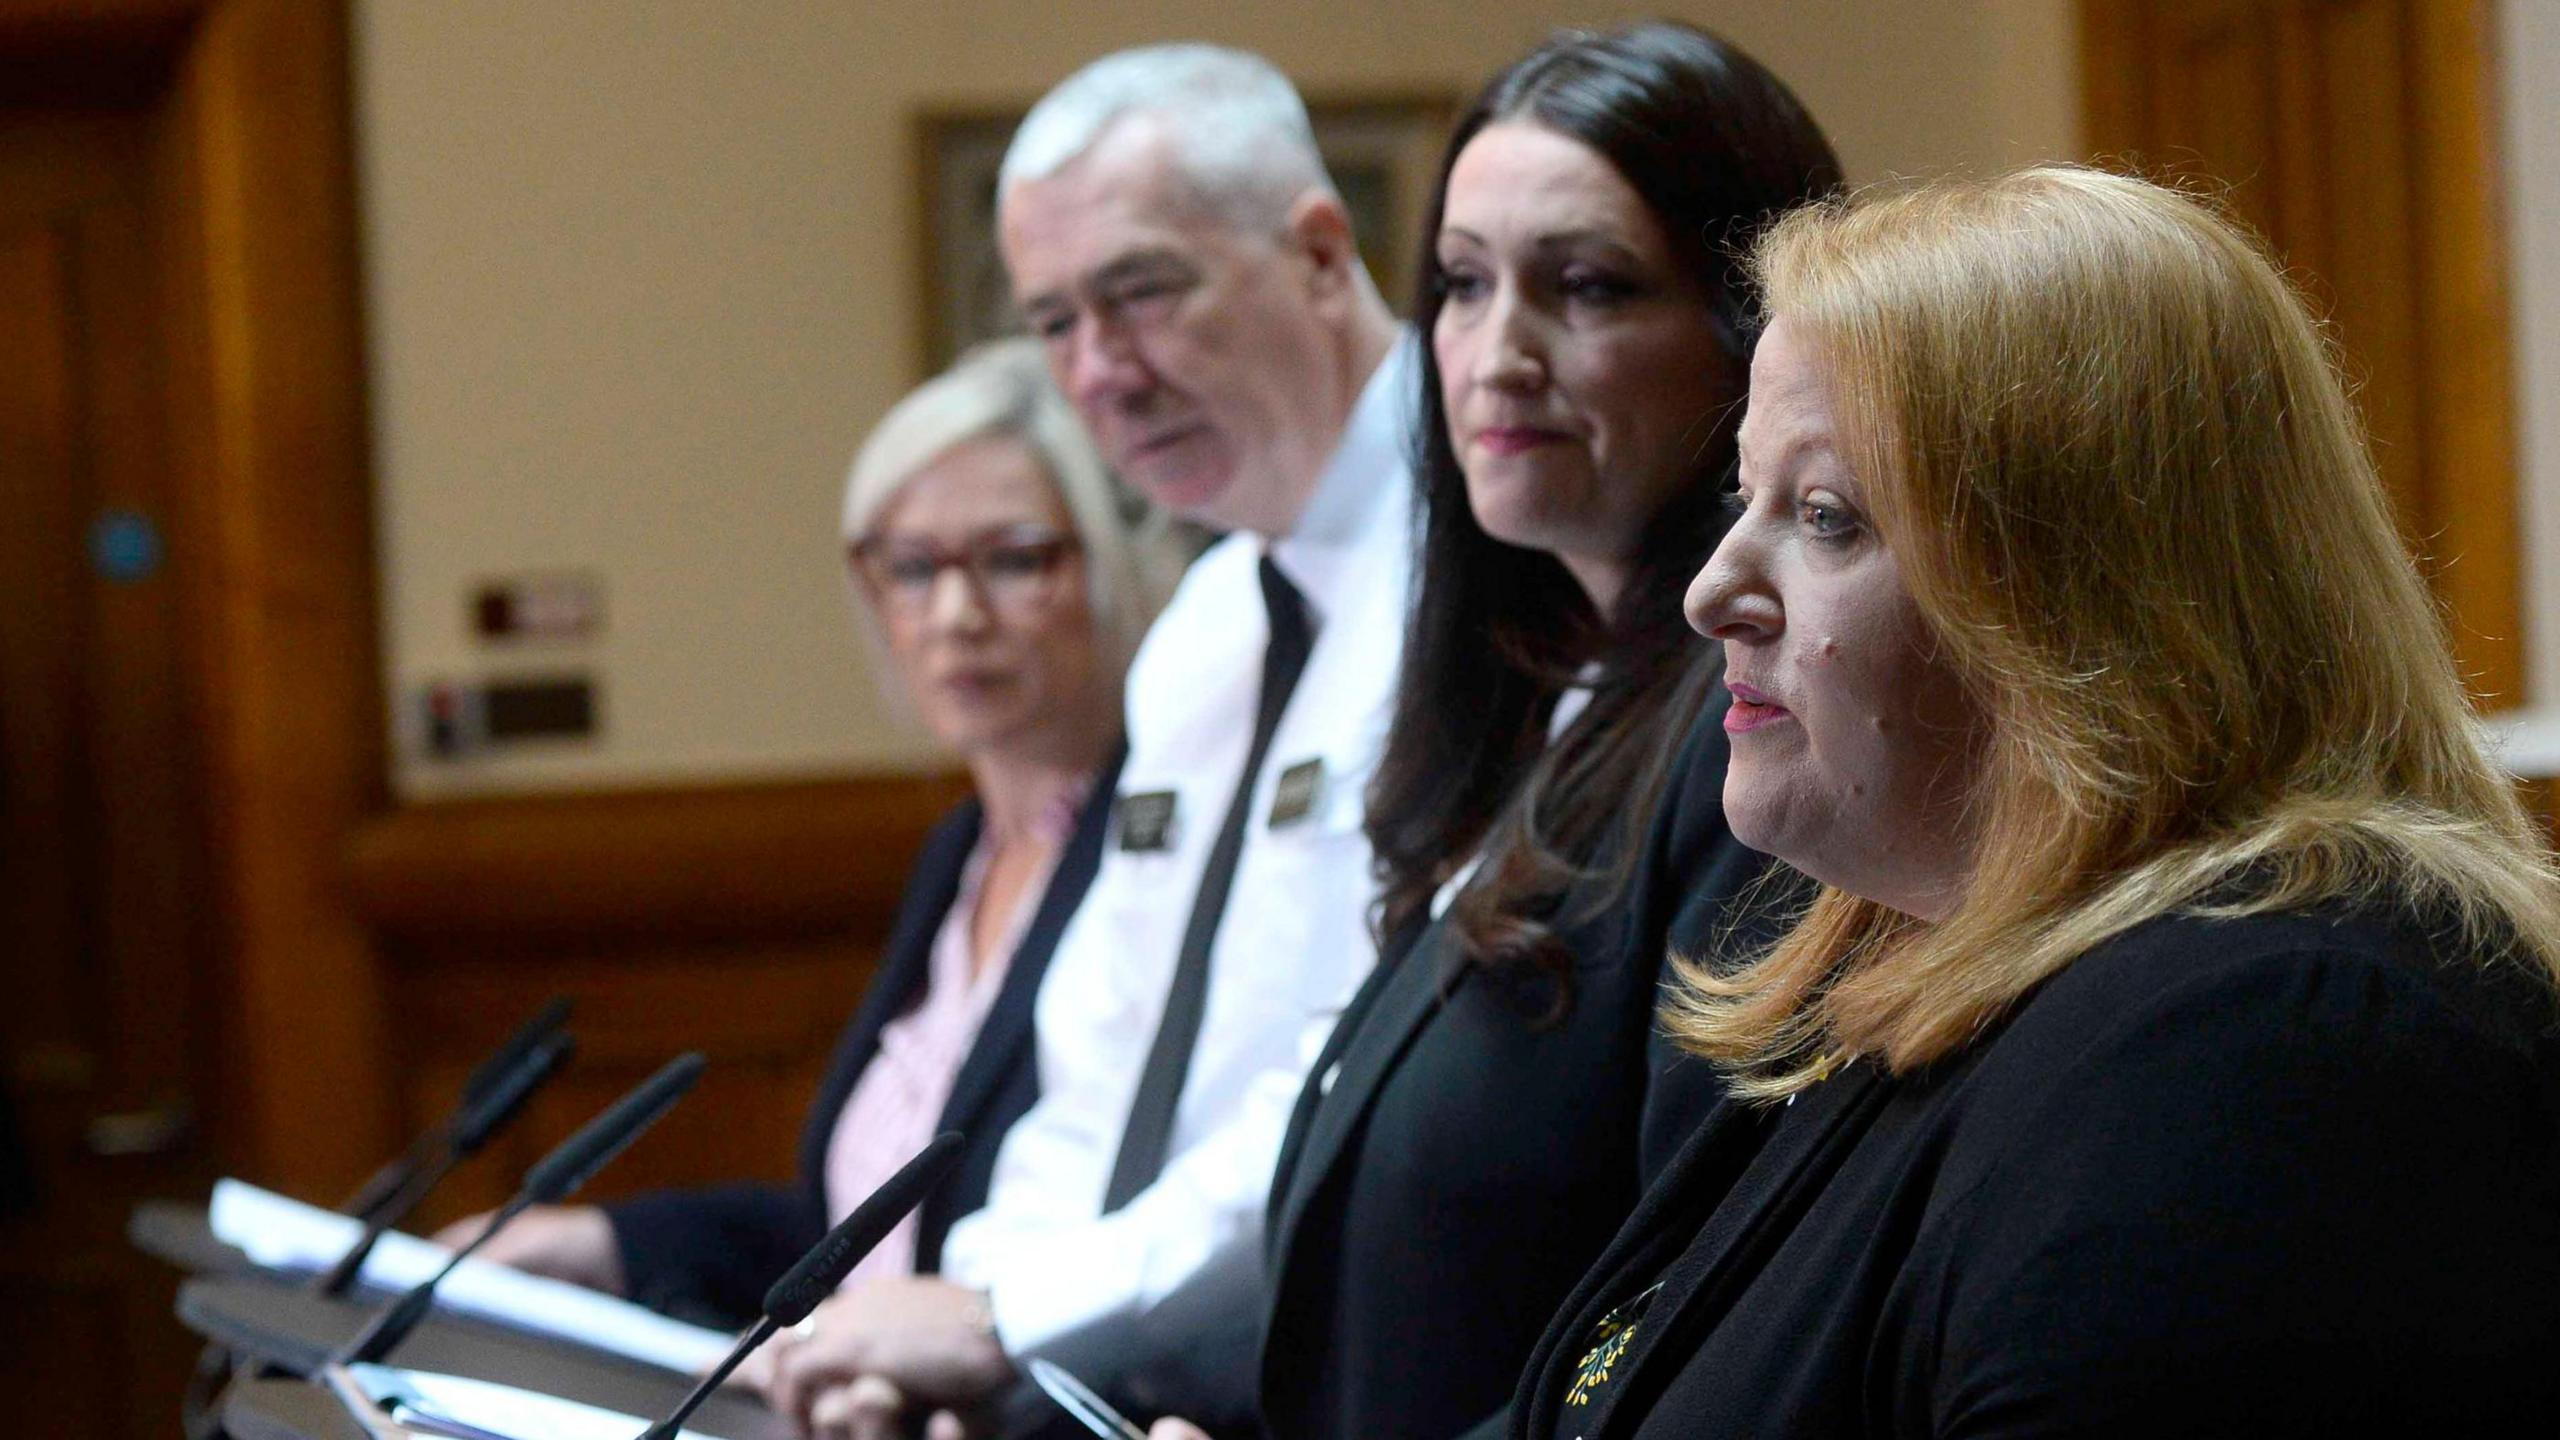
(1294, 798)
(1146, 821)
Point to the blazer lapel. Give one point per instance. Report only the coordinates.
(1375, 1033)
(904, 962)
(1368, 1044)
(1293, 1141)
(1007, 1028)
(1755, 1215)
(1655, 1233)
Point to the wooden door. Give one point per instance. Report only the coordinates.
(106, 1031)
(2360, 137)
(190, 718)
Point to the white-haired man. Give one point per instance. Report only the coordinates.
(1172, 236)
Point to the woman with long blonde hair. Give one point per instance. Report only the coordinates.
(2170, 1047)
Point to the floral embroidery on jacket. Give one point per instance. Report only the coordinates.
(1610, 1339)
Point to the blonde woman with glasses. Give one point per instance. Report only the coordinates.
(1005, 585)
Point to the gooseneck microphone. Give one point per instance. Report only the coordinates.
(395, 1182)
(469, 1128)
(552, 1179)
(819, 1272)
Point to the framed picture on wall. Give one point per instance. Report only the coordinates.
(1382, 151)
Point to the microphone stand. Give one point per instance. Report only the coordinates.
(398, 1176)
(816, 1274)
(553, 1178)
(470, 1128)
(491, 1095)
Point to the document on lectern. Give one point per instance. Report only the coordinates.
(285, 1234)
(425, 1403)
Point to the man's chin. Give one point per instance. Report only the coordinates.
(1190, 491)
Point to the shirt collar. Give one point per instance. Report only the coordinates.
(1318, 554)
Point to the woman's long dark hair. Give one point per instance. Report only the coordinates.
(1715, 145)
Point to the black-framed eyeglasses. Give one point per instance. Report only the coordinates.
(1013, 569)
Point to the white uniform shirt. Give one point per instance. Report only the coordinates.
(1293, 946)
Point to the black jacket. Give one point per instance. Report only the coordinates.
(1434, 1205)
(2289, 1175)
(708, 1254)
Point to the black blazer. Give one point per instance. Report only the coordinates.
(2292, 1175)
(709, 1253)
(1467, 1163)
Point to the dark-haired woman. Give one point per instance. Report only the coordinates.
(1547, 811)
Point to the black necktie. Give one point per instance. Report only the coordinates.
(1149, 1134)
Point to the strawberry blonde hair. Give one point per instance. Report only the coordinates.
(2110, 449)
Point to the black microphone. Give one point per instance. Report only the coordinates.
(388, 1184)
(551, 1180)
(819, 1272)
(469, 1128)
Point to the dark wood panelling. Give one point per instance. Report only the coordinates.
(101, 850)
(276, 519)
(737, 860)
(2466, 368)
(186, 744)
(740, 921)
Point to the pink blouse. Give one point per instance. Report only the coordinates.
(898, 1100)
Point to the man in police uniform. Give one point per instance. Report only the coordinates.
(1172, 236)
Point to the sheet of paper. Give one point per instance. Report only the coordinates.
(286, 1234)
(498, 1410)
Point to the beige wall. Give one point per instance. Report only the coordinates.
(2531, 37)
(640, 272)
(2530, 43)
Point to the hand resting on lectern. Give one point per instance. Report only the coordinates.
(565, 1242)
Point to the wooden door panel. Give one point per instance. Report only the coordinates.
(178, 340)
(154, 989)
(2216, 107)
(52, 1050)
(100, 857)
(103, 852)
(2358, 137)
(70, 1335)
(2366, 236)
